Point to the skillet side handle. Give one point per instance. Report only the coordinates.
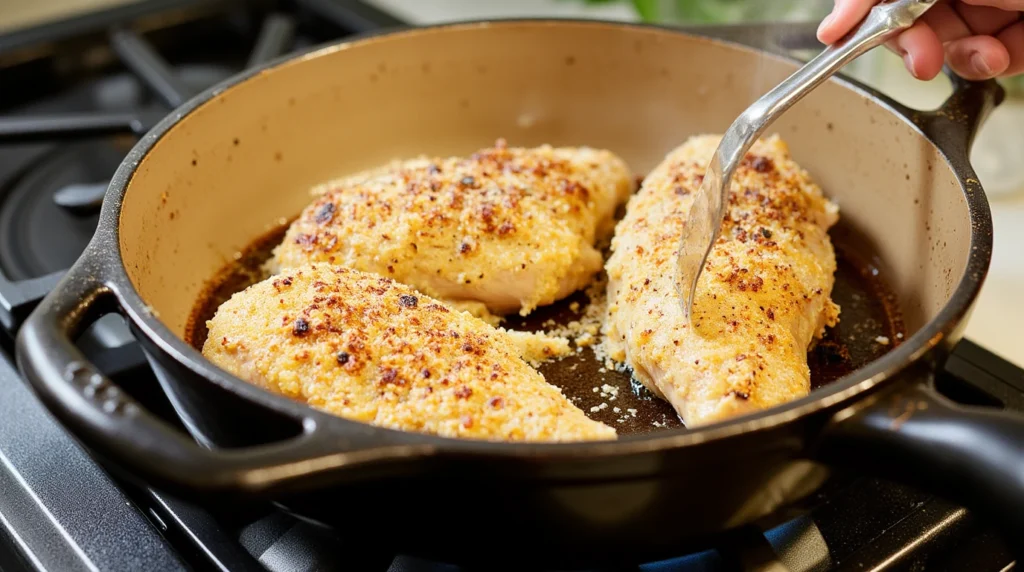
(955, 124)
(969, 455)
(142, 445)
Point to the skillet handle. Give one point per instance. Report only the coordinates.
(970, 455)
(117, 427)
(954, 125)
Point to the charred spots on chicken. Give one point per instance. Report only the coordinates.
(300, 328)
(573, 188)
(487, 214)
(408, 301)
(437, 308)
(463, 392)
(760, 163)
(766, 340)
(325, 214)
(390, 377)
(343, 358)
(741, 395)
(496, 402)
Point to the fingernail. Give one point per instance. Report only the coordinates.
(908, 60)
(825, 23)
(980, 65)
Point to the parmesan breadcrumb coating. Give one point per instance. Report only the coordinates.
(762, 300)
(367, 348)
(508, 228)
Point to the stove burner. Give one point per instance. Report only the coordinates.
(81, 199)
(29, 247)
(60, 190)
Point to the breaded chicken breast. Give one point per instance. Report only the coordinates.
(369, 349)
(762, 299)
(507, 228)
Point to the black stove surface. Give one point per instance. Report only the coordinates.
(87, 88)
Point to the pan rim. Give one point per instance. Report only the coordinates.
(106, 245)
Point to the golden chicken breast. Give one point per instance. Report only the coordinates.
(507, 228)
(369, 349)
(763, 298)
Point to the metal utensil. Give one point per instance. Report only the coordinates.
(882, 23)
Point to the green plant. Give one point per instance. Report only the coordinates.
(1014, 86)
(716, 11)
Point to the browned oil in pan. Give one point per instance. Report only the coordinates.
(869, 312)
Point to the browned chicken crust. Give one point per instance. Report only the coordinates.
(509, 228)
(370, 349)
(762, 299)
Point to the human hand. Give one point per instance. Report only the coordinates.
(979, 39)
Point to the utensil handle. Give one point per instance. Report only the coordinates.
(117, 427)
(955, 124)
(952, 127)
(882, 23)
(970, 455)
(707, 213)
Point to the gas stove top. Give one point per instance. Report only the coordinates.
(84, 89)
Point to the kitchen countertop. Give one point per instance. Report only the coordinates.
(999, 314)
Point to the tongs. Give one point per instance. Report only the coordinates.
(882, 23)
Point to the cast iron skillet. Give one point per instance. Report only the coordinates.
(210, 176)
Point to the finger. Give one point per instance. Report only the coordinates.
(978, 57)
(921, 50)
(985, 20)
(1012, 39)
(1009, 5)
(947, 23)
(845, 15)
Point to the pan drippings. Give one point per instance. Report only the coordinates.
(870, 325)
